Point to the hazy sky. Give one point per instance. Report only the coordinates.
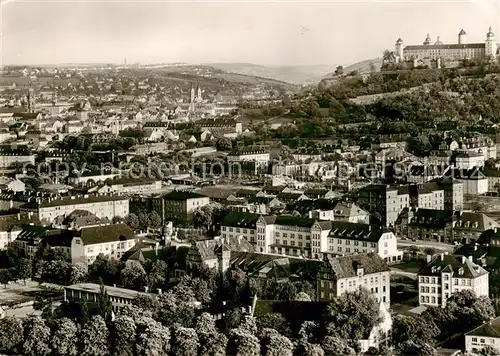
(262, 32)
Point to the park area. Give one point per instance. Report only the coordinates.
(17, 298)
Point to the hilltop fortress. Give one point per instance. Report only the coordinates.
(439, 51)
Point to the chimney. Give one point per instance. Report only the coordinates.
(442, 256)
(464, 259)
(146, 289)
(429, 258)
(160, 291)
(114, 285)
(470, 259)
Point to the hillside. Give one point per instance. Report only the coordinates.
(362, 67)
(290, 74)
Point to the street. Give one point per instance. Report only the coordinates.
(423, 244)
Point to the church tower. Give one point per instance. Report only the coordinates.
(192, 94)
(428, 40)
(198, 95)
(31, 101)
(491, 45)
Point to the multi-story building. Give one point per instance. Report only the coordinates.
(353, 238)
(483, 336)
(311, 238)
(448, 274)
(8, 159)
(469, 226)
(109, 240)
(453, 52)
(469, 160)
(131, 186)
(260, 157)
(453, 193)
(428, 224)
(102, 206)
(384, 201)
(338, 275)
(473, 180)
(182, 204)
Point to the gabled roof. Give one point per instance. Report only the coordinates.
(488, 329)
(430, 218)
(182, 195)
(346, 266)
(355, 231)
(453, 264)
(475, 221)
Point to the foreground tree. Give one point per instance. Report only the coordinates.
(122, 335)
(94, 337)
(243, 343)
(36, 336)
(274, 321)
(11, 335)
(413, 329)
(153, 339)
(335, 346)
(64, 338)
(352, 316)
(184, 341)
(275, 344)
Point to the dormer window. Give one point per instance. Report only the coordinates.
(433, 269)
(460, 271)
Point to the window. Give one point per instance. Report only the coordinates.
(474, 339)
(481, 341)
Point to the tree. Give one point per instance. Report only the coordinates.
(286, 291)
(94, 337)
(373, 69)
(419, 349)
(339, 71)
(489, 351)
(153, 339)
(468, 310)
(64, 336)
(78, 273)
(155, 220)
(389, 57)
(352, 316)
(134, 276)
(36, 336)
(122, 335)
(158, 274)
(302, 297)
(274, 321)
(413, 329)
(274, 344)
(104, 304)
(132, 221)
(335, 346)
(144, 221)
(305, 348)
(177, 306)
(11, 335)
(5, 276)
(242, 343)
(24, 269)
(105, 269)
(205, 324)
(184, 341)
(224, 144)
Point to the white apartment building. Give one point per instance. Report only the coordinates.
(92, 179)
(448, 274)
(9, 158)
(311, 238)
(131, 186)
(352, 238)
(260, 157)
(110, 240)
(343, 274)
(485, 335)
(102, 206)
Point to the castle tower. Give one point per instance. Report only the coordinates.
(491, 45)
(399, 50)
(428, 40)
(462, 37)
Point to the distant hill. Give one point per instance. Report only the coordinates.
(362, 67)
(290, 74)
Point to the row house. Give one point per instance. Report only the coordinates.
(448, 274)
(131, 186)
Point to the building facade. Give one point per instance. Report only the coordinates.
(448, 274)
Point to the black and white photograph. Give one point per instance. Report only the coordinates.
(246, 178)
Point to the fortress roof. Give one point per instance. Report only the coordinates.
(448, 46)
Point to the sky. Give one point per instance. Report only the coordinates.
(261, 32)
